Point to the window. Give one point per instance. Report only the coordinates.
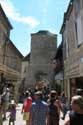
(1, 36)
(67, 48)
(13, 63)
(82, 3)
(77, 7)
(79, 30)
(76, 30)
(64, 51)
(25, 70)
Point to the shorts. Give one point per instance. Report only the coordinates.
(1, 121)
(6, 106)
(26, 116)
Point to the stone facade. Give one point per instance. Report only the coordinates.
(58, 68)
(25, 64)
(71, 31)
(43, 49)
(10, 57)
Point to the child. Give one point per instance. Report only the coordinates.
(1, 114)
(12, 116)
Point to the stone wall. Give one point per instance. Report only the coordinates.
(43, 49)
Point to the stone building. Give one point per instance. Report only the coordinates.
(43, 49)
(10, 57)
(25, 64)
(58, 68)
(72, 36)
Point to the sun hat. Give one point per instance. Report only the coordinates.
(38, 93)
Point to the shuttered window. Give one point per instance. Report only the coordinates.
(67, 48)
(79, 30)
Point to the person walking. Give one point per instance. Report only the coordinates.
(64, 102)
(12, 115)
(39, 111)
(5, 100)
(54, 108)
(75, 116)
(26, 106)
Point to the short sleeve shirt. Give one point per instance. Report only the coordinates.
(39, 110)
(27, 104)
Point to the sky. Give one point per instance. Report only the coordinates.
(31, 16)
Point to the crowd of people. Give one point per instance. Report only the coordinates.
(45, 110)
(44, 107)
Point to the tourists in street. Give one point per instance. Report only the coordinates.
(54, 108)
(26, 106)
(75, 116)
(12, 115)
(39, 111)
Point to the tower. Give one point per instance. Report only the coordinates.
(43, 49)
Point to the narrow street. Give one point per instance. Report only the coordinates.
(19, 117)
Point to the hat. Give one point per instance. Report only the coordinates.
(7, 89)
(38, 93)
(27, 93)
(53, 92)
(12, 102)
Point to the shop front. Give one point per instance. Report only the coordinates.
(10, 79)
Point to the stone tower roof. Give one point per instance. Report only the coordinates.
(44, 32)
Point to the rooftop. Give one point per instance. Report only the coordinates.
(5, 17)
(44, 32)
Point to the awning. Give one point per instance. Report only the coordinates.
(8, 71)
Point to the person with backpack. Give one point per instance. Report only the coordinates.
(75, 116)
(54, 108)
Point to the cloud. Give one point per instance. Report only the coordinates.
(15, 15)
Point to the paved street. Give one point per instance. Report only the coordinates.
(61, 122)
(19, 117)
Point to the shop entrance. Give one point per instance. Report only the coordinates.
(79, 83)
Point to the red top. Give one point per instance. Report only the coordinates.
(27, 104)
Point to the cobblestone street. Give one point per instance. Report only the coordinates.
(19, 117)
